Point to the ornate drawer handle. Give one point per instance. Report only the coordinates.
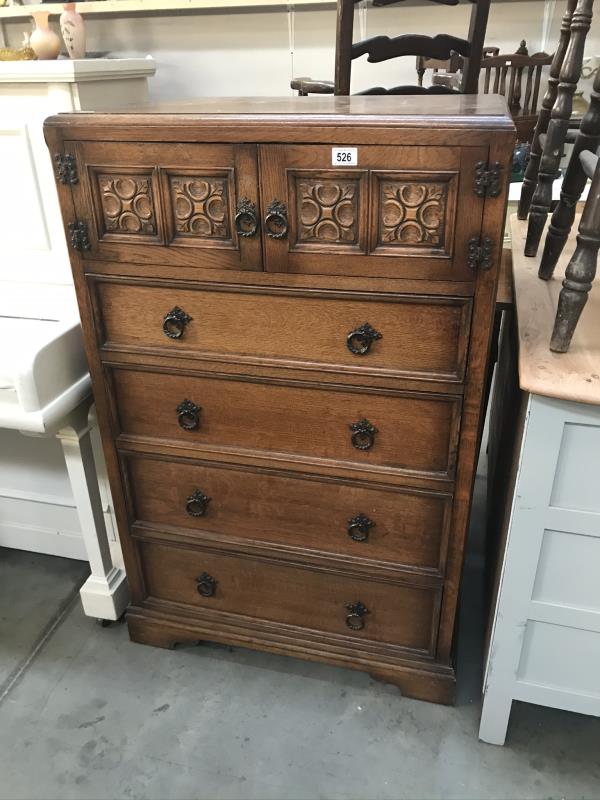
(206, 585)
(359, 341)
(197, 503)
(174, 323)
(359, 527)
(188, 415)
(246, 221)
(276, 221)
(356, 612)
(363, 434)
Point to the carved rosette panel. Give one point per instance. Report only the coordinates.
(412, 213)
(127, 204)
(327, 211)
(200, 207)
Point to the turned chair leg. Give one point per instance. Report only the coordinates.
(533, 164)
(558, 125)
(580, 271)
(573, 185)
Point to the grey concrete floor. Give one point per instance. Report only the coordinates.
(95, 716)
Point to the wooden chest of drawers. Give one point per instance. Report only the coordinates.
(287, 306)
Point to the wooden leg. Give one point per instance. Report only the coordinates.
(558, 126)
(580, 271)
(573, 185)
(495, 715)
(105, 593)
(533, 165)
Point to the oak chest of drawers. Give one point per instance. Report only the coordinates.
(287, 306)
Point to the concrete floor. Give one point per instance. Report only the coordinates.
(91, 715)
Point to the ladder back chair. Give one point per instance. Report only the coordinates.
(383, 48)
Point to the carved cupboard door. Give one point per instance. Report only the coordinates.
(185, 205)
(321, 216)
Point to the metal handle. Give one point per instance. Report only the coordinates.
(246, 221)
(174, 323)
(359, 341)
(359, 527)
(276, 221)
(197, 503)
(188, 415)
(363, 434)
(354, 619)
(206, 585)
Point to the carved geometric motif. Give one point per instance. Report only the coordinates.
(413, 213)
(200, 205)
(327, 210)
(127, 204)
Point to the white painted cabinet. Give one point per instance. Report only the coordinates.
(544, 646)
(48, 494)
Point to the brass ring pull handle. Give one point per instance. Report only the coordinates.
(246, 221)
(363, 434)
(356, 612)
(197, 503)
(174, 323)
(359, 527)
(359, 341)
(276, 221)
(206, 585)
(188, 415)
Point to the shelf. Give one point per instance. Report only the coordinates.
(159, 7)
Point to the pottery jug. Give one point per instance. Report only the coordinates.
(73, 31)
(44, 42)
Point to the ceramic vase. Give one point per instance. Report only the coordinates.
(44, 42)
(73, 31)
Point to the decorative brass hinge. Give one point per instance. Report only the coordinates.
(67, 169)
(79, 236)
(487, 179)
(480, 253)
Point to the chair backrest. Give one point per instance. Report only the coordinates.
(451, 65)
(504, 74)
(382, 48)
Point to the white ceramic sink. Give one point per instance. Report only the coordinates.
(43, 370)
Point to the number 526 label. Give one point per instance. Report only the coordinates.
(344, 156)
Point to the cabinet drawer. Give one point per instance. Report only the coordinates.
(411, 336)
(403, 527)
(366, 430)
(274, 592)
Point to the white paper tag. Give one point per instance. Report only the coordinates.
(344, 156)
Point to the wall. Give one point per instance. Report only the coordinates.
(256, 53)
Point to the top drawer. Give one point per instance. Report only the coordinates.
(364, 334)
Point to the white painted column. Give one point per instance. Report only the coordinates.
(105, 594)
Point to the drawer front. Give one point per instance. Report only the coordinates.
(420, 337)
(400, 212)
(405, 616)
(394, 432)
(169, 204)
(403, 527)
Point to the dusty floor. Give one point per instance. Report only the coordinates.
(90, 715)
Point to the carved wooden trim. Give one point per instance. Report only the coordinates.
(328, 210)
(200, 206)
(382, 48)
(413, 212)
(127, 203)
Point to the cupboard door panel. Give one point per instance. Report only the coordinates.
(394, 214)
(177, 205)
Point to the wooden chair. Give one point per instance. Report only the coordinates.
(383, 48)
(552, 127)
(517, 76)
(581, 269)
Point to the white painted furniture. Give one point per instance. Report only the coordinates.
(45, 388)
(544, 645)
